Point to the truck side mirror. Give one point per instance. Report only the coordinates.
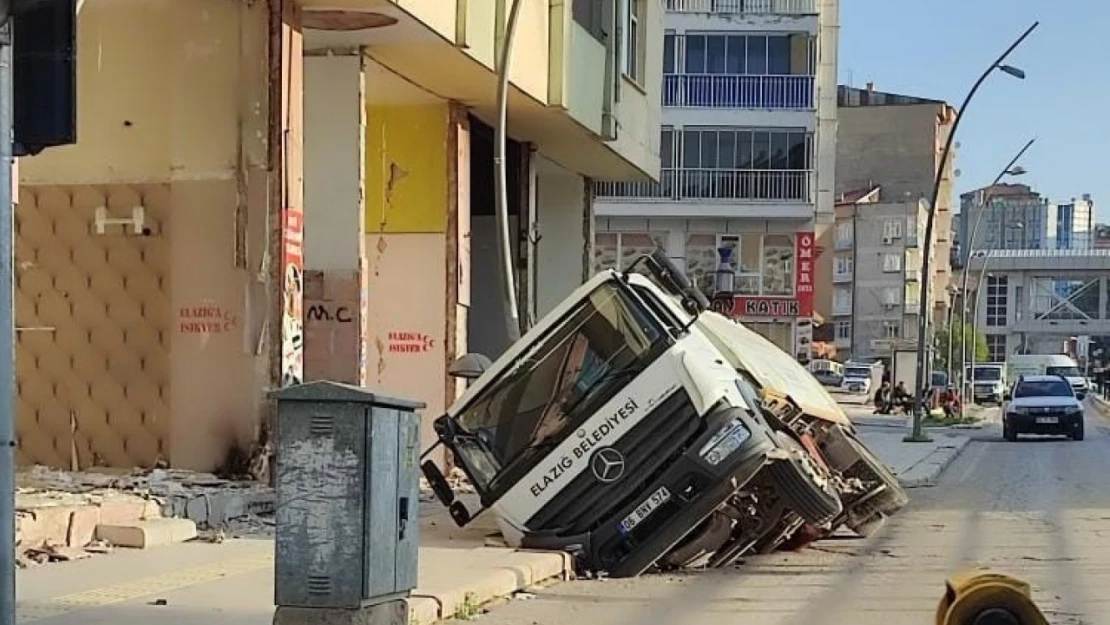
(438, 482)
(1007, 396)
(469, 366)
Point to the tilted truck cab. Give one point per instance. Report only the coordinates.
(611, 430)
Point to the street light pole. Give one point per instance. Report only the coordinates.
(7, 333)
(923, 307)
(501, 183)
(1011, 169)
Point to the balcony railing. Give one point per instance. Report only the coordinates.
(766, 7)
(716, 184)
(842, 276)
(842, 244)
(842, 308)
(738, 92)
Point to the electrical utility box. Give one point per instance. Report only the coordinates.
(347, 479)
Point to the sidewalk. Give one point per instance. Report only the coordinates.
(231, 583)
(915, 464)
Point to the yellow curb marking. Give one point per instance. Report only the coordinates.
(128, 591)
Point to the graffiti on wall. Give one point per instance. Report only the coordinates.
(206, 317)
(410, 342)
(292, 296)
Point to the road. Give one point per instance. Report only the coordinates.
(1039, 507)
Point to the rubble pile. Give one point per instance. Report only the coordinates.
(206, 499)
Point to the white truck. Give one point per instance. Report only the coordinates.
(861, 377)
(615, 430)
(1050, 364)
(988, 382)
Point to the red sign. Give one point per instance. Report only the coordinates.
(741, 306)
(805, 258)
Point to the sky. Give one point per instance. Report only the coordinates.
(938, 48)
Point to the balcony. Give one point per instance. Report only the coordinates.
(757, 7)
(842, 244)
(738, 92)
(726, 185)
(841, 277)
(841, 307)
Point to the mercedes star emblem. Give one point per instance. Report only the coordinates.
(607, 464)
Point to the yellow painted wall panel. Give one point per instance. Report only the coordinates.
(406, 168)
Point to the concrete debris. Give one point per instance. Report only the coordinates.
(206, 499)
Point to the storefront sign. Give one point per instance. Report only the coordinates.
(804, 251)
(292, 296)
(741, 306)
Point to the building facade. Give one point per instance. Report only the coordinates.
(876, 274)
(896, 141)
(263, 193)
(747, 148)
(1010, 216)
(1071, 224)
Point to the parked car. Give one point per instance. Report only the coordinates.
(1043, 404)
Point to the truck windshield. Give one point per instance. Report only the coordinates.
(1067, 372)
(857, 372)
(987, 374)
(555, 386)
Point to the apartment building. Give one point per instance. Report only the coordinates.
(876, 272)
(747, 148)
(896, 141)
(1010, 216)
(263, 193)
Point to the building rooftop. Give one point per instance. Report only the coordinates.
(847, 96)
(860, 196)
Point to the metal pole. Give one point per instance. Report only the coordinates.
(975, 318)
(918, 433)
(948, 360)
(501, 179)
(7, 336)
(965, 389)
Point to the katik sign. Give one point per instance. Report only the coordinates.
(801, 305)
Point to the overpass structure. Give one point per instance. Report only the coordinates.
(1030, 301)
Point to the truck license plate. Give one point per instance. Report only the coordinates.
(1048, 420)
(642, 511)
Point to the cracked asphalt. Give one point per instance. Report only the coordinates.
(1038, 508)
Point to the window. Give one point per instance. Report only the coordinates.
(892, 262)
(633, 39)
(842, 301)
(618, 250)
(892, 329)
(1046, 388)
(891, 296)
(753, 277)
(997, 287)
(778, 264)
(913, 295)
(844, 235)
(670, 53)
(739, 55)
(590, 15)
(843, 330)
(735, 148)
(842, 265)
(892, 228)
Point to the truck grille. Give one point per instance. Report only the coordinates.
(648, 448)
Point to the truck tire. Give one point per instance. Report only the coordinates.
(801, 485)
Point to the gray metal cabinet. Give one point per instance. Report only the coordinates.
(347, 478)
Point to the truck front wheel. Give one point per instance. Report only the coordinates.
(802, 484)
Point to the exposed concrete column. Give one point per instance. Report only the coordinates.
(335, 256)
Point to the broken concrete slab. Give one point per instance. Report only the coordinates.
(149, 533)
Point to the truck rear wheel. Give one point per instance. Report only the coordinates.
(801, 484)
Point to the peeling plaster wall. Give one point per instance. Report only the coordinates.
(173, 107)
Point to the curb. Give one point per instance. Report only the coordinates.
(512, 573)
(935, 463)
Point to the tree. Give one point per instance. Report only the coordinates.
(978, 342)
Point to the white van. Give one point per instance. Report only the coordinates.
(1049, 364)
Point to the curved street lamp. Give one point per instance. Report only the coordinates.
(1011, 169)
(923, 307)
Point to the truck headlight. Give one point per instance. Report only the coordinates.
(727, 440)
